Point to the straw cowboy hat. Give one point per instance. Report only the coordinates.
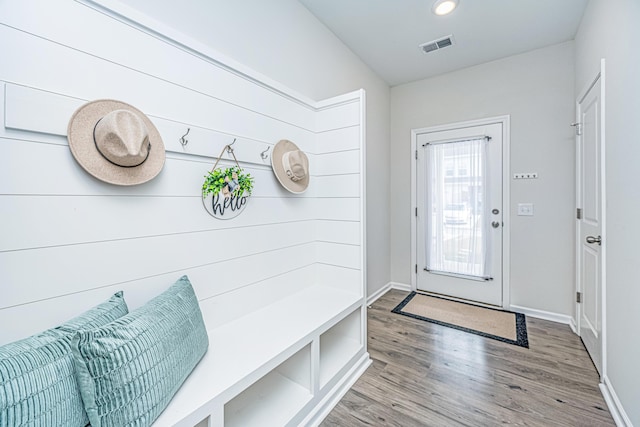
(115, 142)
(290, 166)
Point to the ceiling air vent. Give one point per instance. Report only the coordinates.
(437, 44)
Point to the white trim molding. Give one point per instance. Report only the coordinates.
(401, 286)
(386, 288)
(544, 315)
(338, 392)
(613, 403)
(574, 326)
(377, 294)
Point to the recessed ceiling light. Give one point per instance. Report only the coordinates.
(444, 7)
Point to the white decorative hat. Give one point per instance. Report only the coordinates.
(291, 166)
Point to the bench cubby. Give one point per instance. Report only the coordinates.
(276, 398)
(338, 345)
(282, 358)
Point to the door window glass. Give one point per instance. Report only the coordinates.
(457, 234)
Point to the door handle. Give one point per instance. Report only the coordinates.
(591, 239)
(495, 224)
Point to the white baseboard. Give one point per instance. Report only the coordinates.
(337, 393)
(386, 288)
(574, 326)
(615, 406)
(377, 294)
(400, 286)
(541, 314)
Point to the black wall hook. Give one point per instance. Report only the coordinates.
(183, 139)
(229, 149)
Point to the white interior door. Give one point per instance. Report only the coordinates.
(459, 216)
(590, 222)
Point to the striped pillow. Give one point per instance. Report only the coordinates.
(129, 370)
(37, 381)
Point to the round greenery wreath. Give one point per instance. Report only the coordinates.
(230, 181)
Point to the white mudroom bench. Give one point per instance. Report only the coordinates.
(285, 364)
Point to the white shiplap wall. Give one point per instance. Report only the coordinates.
(68, 241)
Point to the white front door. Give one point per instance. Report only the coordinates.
(460, 212)
(590, 222)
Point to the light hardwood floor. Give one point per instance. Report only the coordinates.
(429, 375)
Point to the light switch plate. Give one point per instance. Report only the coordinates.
(525, 209)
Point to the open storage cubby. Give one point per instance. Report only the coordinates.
(276, 398)
(339, 344)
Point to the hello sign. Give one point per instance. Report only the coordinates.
(223, 207)
(225, 192)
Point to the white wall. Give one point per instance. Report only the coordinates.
(536, 89)
(70, 240)
(610, 30)
(282, 40)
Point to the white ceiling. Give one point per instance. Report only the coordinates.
(385, 34)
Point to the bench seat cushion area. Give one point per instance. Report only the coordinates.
(129, 370)
(37, 382)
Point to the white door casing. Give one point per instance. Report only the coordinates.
(589, 233)
(490, 292)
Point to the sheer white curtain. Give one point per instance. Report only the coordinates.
(457, 225)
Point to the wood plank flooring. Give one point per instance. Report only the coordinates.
(429, 375)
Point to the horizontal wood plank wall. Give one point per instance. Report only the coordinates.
(69, 240)
(339, 231)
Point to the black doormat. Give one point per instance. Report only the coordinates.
(504, 326)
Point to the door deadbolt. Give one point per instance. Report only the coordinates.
(591, 239)
(495, 211)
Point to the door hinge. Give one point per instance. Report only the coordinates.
(416, 211)
(579, 213)
(416, 268)
(578, 127)
(416, 154)
(578, 297)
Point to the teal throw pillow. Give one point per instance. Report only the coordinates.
(129, 370)
(37, 379)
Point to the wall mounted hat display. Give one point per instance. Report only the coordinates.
(115, 142)
(225, 192)
(291, 166)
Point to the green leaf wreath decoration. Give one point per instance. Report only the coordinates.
(231, 181)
